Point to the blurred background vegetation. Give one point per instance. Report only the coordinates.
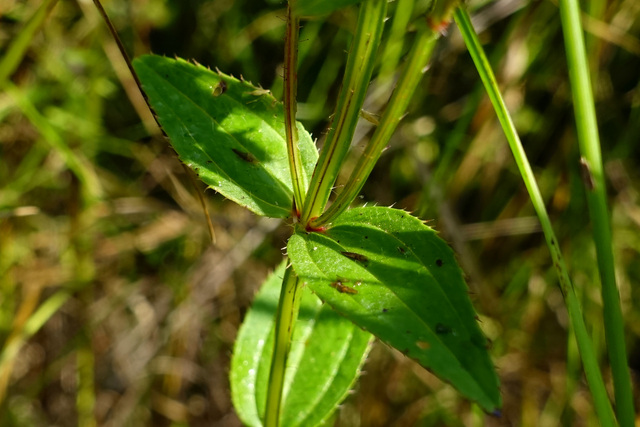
(115, 307)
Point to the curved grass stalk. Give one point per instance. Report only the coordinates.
(589, 360)
(418, 58)
(354, 87)
(589, 143)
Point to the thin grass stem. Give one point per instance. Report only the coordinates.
(587, 353)
(591, 162)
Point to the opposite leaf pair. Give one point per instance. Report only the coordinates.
(381, 268)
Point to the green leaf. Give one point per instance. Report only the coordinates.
(389, 273)
(325, 359)
(320, 7)
(229, 132)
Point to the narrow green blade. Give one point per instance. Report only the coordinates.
(392, 275)
(326, 356)
(228, 131)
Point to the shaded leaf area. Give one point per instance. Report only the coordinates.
(326, 356)
(392, 275)
(320, 7)
(229, 132)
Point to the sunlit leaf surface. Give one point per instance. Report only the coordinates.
(392, 275)
(229, 132)
(326, 356)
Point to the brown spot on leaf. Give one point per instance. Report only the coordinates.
(423, 345)
(356, 257)
(247, 157)
(343, 289)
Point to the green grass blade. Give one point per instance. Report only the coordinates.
(592, 372)
(75, 161)
(31, 326)
(13, 55)
(589, 142)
